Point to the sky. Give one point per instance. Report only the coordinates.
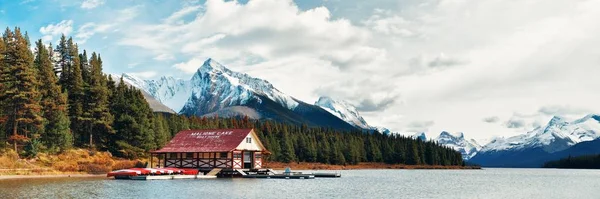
(488, 68)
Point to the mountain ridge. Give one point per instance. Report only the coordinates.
(215, 90)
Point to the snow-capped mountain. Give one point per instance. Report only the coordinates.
(382, 130)
(557, 135)
(457, 141)
(167, 90)
(344, 111)
(541, 144)
(420, 136)
(155, 104)
(214, 90)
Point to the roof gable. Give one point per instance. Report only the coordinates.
(212, 140)
(254, 145)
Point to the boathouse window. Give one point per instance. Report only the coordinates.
(248, 140)
(257, 155)
(172, 156)
(237, 156)
(223, 155)
(189, 155)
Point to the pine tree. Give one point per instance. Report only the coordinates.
(19, 96)
(287, 148)
(57, 134)
(63, 63)
(71, 78)
(3, 116)
(97, 110)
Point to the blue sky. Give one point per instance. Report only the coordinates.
(482, 67)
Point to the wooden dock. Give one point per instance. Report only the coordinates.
(282, 176)
(327, 175)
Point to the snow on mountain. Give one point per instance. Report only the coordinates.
(211, 80)
(420, 136)
(382, 130)
(557, 135)
(216, 91)
(344, 111)
(231, 88)
(457, 141)
(167, 90)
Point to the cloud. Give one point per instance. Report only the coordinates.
(145, 74)
(443, 57)
(176, 16)
(132, 65)
(370, 105)
(492, 119)
(64, 27)
(164, 57)
(90, 4)
(385, 22)
(258, 29)
(419, 126)
(190, 66)
(444, 61)
(515, 123)
(562, 110)
(90, 29)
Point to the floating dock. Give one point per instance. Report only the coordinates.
(218, 172)
(170, 177)
(282, 176)
(327, 175)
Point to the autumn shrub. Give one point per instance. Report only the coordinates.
(124, 164)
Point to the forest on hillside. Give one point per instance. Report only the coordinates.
(578, 162)
(56, 98)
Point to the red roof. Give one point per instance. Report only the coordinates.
(212, 140)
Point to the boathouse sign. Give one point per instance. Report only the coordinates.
(210, 134)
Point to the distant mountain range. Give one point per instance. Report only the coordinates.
(214, 90)
(557, 139)
(468, 148)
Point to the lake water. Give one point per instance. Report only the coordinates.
(486, 183)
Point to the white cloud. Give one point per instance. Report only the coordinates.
(90, 29)
(90, 4)
(448, 61)
(164, 57)
(190, 66)
(64, 27)
(176, 17)
(145, 74)
(259, 28)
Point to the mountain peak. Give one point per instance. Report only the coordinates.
(455, 135)
(557, 119)
(212, 65)
(344, 111)
(468, 148)
(420, 136)
(588, 117)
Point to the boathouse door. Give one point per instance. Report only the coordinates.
(248, 159)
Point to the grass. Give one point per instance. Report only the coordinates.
(76, 161)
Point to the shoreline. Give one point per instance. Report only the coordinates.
(16, 177)
(362, 166)
(275, 166)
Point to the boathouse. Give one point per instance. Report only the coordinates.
(215, 148)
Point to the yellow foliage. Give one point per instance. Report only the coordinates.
(71, 161)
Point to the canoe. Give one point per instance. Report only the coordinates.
(124, 172)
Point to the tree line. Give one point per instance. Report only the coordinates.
(57, 98)
(54, 99)
(578, 162)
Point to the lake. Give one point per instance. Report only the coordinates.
(486, 183)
